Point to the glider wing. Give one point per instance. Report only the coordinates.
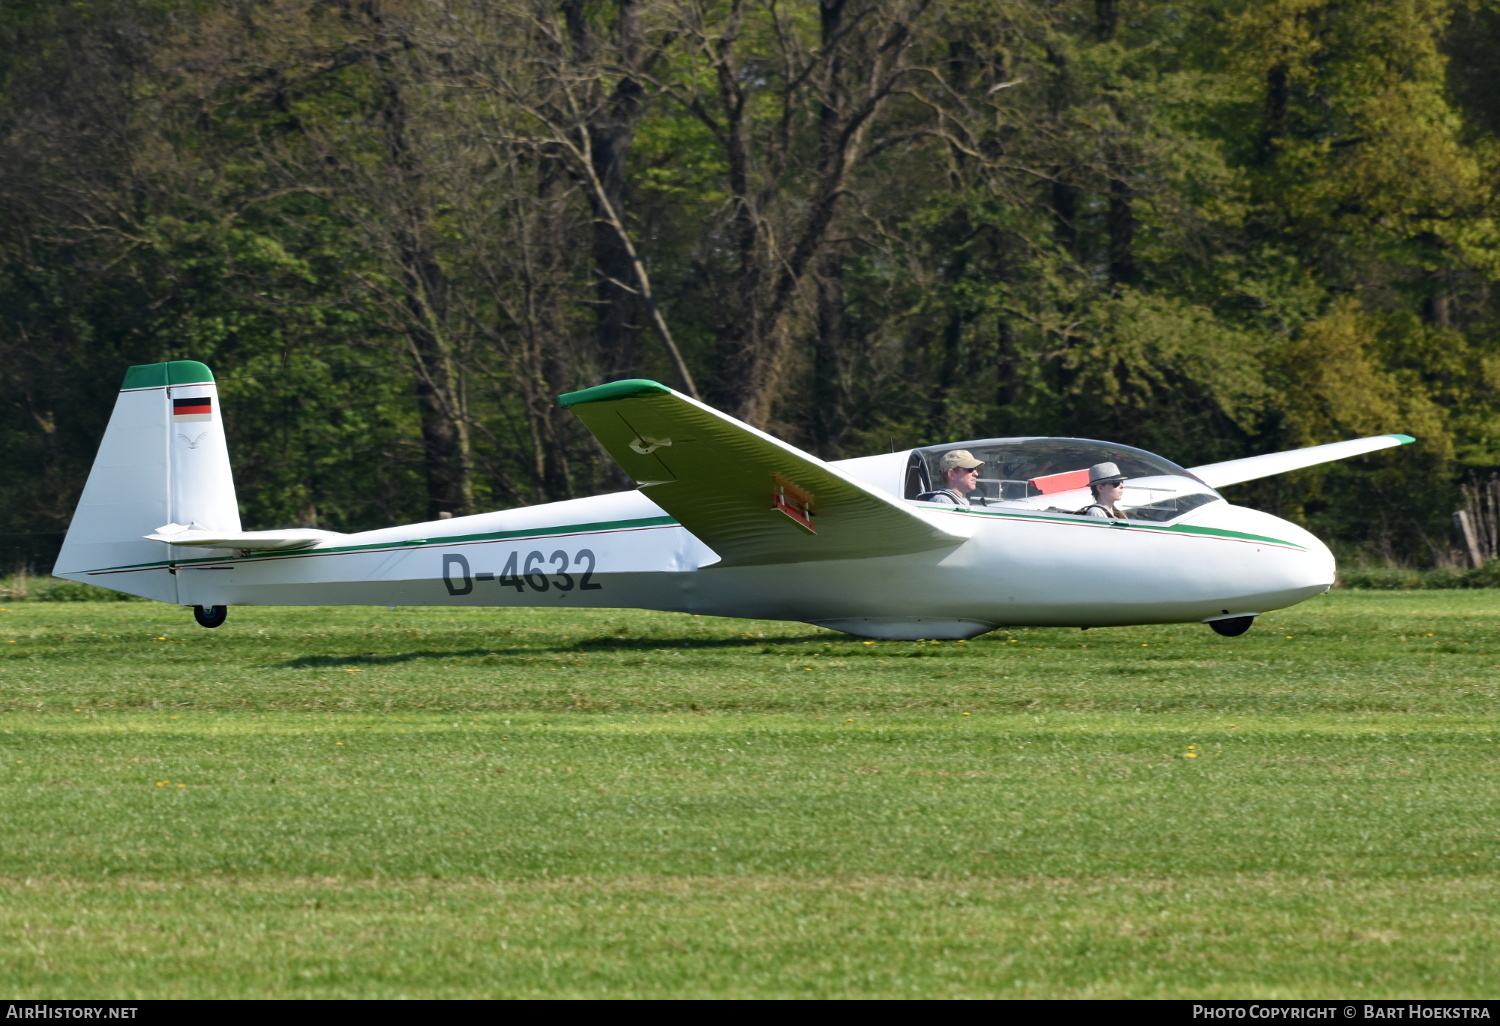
(752, 498)
(1218, 475)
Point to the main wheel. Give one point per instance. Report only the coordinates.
(211, 616)
(1233, 627)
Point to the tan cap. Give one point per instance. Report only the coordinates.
(1101, 472)
(958, 458)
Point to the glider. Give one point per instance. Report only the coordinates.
(726, 521)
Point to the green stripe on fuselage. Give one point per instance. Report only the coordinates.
(458, 539)
(1139, 525)
(664, 521)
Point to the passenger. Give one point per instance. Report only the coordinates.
(1108, 486)
(960, 476)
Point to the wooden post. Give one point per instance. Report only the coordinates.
(1466, 532)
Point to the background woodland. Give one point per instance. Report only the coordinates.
(397, 230)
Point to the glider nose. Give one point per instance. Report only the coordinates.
(1269, 563)
(1317, 562)
(1290, 560)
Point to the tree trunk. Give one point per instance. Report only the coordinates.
(773, 265)
(1065, 214)
(828, 387)
(445, 437)
(611, 129)
(1106, 19)
(1120, 222)
(829, 420)
(741, 351)
(1278, 97)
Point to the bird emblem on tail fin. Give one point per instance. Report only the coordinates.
(646, 446)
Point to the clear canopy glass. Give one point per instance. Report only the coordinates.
(1051, 474)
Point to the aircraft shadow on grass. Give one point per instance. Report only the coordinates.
(591, 645)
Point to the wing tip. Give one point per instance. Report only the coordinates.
(1403, 439)
(611, 390)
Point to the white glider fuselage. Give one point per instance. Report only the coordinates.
(621, 550)
(747, 527)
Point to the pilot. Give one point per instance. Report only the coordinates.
(960, 476)
(1108, 486)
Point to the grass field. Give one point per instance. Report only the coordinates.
(438, 803)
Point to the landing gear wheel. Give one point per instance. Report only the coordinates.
(210, 616)
(1231, 628)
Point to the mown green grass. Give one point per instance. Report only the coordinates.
(487, 803)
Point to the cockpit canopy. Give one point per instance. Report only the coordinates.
(1053, 474)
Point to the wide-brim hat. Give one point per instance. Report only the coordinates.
(958, 458)
(1104, 473)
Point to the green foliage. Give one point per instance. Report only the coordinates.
(1168, 375)
(1206, 229)
(1405, 579)
(22, 587)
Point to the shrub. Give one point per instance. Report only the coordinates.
(23, 587)
(1396, 578)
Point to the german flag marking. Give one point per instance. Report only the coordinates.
(197, 408)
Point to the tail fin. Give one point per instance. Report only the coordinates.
(163, 461)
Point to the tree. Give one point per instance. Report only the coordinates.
(793, 108)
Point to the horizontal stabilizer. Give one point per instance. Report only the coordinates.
(1218, 475)
(752, 498)
(256, 541)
